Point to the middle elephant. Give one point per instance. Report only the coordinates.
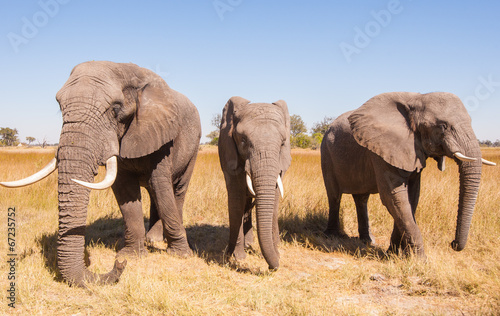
(254, 152)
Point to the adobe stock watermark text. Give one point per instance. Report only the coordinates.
(11, 257)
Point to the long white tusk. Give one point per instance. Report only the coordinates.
(109, 179)
(280, 186)
(249, 185)
(441, 163)
(462, 157)
(48, 169)
(487, 162)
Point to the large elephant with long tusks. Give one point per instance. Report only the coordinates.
(254, 152)
(382, 147)
(147, 134)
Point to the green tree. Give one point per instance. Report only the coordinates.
(214, 135)
(485, 143)
(316, 140)
(322, 127)
(297, 125)
(9, 136)
(214, 138)
(216, 121)
(302, 140)
(30, 139)
(298, 130)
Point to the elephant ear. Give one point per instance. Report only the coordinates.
(285, 156)
(228, 152)
(155, 121)
(384, 126)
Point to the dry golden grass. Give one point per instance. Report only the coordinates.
(318, 276)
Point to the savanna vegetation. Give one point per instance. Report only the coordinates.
(317, 276)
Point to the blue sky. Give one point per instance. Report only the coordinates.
(322, 57)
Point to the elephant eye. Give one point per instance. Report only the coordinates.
(116, 109)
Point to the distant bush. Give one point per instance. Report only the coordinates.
(298, 136)
(489, 143)
(300, 141)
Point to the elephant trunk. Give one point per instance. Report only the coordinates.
(470, 176)
(264, 175)
(76, 161)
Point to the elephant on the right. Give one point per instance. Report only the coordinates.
(382, 148)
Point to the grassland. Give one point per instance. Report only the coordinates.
(318, 276)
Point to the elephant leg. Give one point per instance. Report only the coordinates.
(181, 185)
(397, 240)
(247, 224)
(361, 201)
(128, 195)
(180, 188)
(171, 219)
(406, 233)
(155, 231)
(414, 191)
(393, 188)
(237, 203)
(335, 226)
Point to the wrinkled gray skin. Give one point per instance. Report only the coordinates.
(123, 110)
(254, 140)
(382, 147)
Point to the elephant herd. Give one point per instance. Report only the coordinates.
(127, 118)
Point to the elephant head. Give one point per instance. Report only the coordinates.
(254, 144)
(405, 129)
(109, 110)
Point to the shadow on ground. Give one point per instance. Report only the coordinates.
(308, 232)
(207, 241)
(210, 241)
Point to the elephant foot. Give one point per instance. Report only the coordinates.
(250, 249)
(236, 264)
(248, 244)
(180, 248)
(393, 250)
(417, 251)
(155, 234)
(182, 253)
(129, 251)
(238, 254)
(367, 239)
(152, 238)
(236, 261)
(407, 251)
(249, 239)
